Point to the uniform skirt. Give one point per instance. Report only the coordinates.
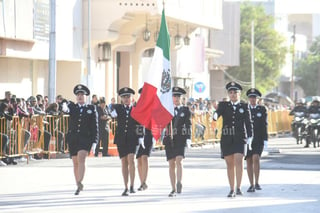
(256, 149)
(126, 148)
(229, 147)
(146, 150)
(77, 142)
(173, 150)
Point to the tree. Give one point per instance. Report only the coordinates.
(269, 49)
(308, 70)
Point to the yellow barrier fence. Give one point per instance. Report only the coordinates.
(46, 134)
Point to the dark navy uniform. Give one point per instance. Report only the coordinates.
(259, 117)
(236, 128)
(300, 108)
(147, 142)
(83, 127)
(314, 110)
(181, 129)
(126, 136)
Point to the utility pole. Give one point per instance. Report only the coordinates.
(253, 83)
(89, 77)
(52, 53)
(293, 56)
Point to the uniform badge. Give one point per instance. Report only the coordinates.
(259, 114)
(241, 110)
(232, 83)
(182, 114)
(89, 111)
(79, 87)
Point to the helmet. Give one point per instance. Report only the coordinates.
(315, 98)
(301, 101)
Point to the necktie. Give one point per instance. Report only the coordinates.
(127, 109)
(175, 110)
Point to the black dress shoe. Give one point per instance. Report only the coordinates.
(132, 190)
(239, 192)
(231, 193)
(172, 193)
(251, 189)
(140, 188)
(80, 186)
(125, 192)
(179, 187)
(77, 192)
(257, 186)
(143, 187)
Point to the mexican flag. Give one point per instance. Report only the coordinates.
(154, 109)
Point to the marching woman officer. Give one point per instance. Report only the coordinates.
(177, 137)
(83, 132)
(126, 137)
(236, 132)
(143, 154)
(260, 138)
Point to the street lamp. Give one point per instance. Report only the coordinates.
(293, 37)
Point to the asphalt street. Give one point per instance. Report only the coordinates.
(290, 181)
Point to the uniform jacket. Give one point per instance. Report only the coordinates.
(260, 124)
(181, 126)
(84, 121)
(237, 124)
(127, 130)
(314, 110)
(298, 109)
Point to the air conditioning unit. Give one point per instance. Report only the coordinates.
(104, 51)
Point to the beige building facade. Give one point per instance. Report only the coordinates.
(114, 52)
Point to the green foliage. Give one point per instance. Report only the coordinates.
(269, 50)
(308, 68)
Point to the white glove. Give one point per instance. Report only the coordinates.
(215, 116)
(141, 143)
(154, 142)
(93, 148)
(65, 107)
(188, 143)
(265, 144)
(249, 141)
(113, 113)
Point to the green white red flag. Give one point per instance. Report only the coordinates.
(154, 109)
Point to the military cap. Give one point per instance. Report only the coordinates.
(253, 92)
(125, 91)
(140, 90)
(81, 88)
(233, 86)
(178, 91)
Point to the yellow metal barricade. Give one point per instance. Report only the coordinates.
(112, 148)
